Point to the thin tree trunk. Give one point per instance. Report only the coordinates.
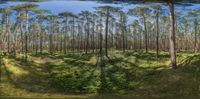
(146, 35)
(22, 36)
(195, 35)
(41, 38)
(157, 36)
(88, 34)
(65, 37)
(106, 32)
(26, 36)
(8, 32)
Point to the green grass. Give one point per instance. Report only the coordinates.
(125, 76)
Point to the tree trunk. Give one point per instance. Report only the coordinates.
(157, 36)
(51, 39)
(195, 35)
(41, 38)
(87, 35)
(22, 36)
(26, 36)
(106, 32)
(65, 37)
(146, 35)
(8, 32)
(172, 36)
(73, 34)
(123, 32)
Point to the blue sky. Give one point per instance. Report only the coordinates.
(57, 6)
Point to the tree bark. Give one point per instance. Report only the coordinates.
(172, 39)
(26, 36)
(195, 35)
(106, 31)
(65, 37)
(146, 34)
(8, 32)
(157, 36)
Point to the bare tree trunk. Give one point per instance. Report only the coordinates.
(157, 36)
(26, 36)
(8, 32)
(93, 33)
(195, 35)
(172, 36)
(22, 36)
(106, 32)
(51, 39)
(146, 34)
(73, 34)
(65, 37)
(88, 35)
(41, 38)
(123, 34)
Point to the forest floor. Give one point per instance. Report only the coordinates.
(133, 75)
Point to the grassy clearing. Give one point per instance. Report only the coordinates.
(77, 76)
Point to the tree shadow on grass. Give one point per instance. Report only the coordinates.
(123, 75)
(77, 56)
(70, 76)
(75, 75)
(150, 56)
(34, 81)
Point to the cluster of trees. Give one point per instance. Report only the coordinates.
(25, 28)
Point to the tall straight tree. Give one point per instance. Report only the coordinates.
(41, 17)
(86, 16)
(7, 12)
(74, 17)
(52, 20)
(195, 14)
(66, 15)
(20, 16)
(142, 12)
(123, 21)
(157, 11)
(172, 38)
(107, 10)
(27, 8)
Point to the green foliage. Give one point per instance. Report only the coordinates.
(138, 73)
(74, 75)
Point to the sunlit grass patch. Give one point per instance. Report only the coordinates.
(12, 68)
(93, 60)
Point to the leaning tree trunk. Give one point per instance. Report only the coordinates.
(172, 41)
